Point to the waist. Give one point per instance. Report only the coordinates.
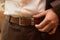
(25, 21)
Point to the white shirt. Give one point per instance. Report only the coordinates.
(26, 8)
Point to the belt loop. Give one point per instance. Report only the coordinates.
(9, 18)
(20, 18)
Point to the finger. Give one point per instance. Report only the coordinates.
(40, 15)
(53, 31)
(48, 27)
(42, 24)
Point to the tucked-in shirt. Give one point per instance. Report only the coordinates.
(24, 7)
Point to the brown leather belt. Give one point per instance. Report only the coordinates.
(25, 21)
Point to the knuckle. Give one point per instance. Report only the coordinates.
(53, 22)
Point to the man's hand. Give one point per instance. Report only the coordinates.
(50, 22)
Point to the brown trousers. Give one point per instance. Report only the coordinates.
(12, 31)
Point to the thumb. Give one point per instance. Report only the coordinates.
(40, 15)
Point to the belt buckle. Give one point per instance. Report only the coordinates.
(27, 21)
